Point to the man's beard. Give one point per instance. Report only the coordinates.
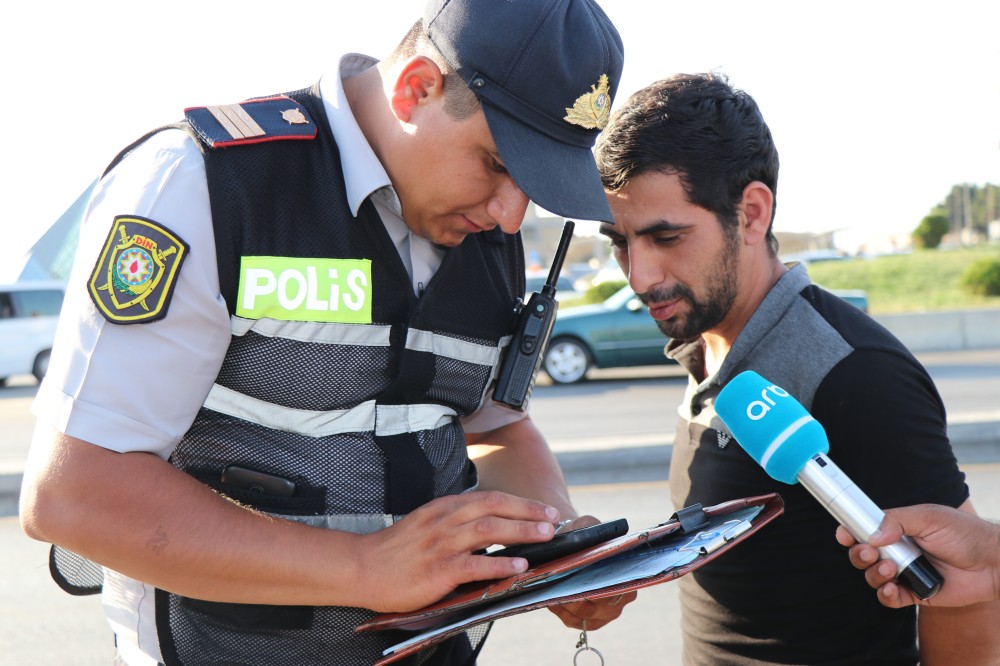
(705, 314)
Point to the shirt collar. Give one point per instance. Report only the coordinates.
(691, 353)
(363, 173)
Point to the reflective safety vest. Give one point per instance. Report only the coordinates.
(340, 386)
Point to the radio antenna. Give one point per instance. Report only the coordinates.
(549, 288)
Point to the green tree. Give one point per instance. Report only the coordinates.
(603, 291)
(970, 207)
(983, 277)
(930, 231)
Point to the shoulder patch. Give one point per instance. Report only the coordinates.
(134, 277)
(252, 121)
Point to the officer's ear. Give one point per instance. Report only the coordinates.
(419, 82)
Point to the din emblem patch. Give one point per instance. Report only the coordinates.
(134, 277)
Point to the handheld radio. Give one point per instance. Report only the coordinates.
(531, 335)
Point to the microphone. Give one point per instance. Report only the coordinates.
(791, 446)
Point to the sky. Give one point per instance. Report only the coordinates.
(877, 107)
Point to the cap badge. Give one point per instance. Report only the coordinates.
(294, 117)
(591, 110)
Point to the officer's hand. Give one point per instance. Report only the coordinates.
(596, 612)
(428, 553)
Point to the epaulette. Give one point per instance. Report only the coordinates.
(252, 121)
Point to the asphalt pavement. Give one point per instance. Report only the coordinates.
(619, 425)
(625, 430)
(41, 624)
(611, 435)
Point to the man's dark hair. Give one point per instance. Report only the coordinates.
(700, 128)
(459, 101)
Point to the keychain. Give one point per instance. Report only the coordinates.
(583, 646)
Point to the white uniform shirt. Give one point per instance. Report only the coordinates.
(138, 387)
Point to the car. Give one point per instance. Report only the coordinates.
(617, 333)
(856, 297)
(29, 312)
(564, 287)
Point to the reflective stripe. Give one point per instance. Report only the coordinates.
(443, 345)
(397, 419)
(288, 419)
(355, 523)
(363, 335)
(366, 417)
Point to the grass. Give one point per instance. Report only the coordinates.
(924, 281)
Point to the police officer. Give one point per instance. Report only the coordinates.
(274, 367)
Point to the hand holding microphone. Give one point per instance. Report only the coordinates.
(791, 446)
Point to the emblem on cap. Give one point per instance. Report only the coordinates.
(592, 110)
(134, 277)
(294, 117)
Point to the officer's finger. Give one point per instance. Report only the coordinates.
(468, 507)
(573, 615)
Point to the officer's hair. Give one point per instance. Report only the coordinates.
(459, 101)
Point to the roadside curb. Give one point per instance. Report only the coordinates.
(973, 442)
(617, 465)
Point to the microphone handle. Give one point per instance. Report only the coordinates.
(861, 517)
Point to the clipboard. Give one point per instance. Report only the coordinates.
(691, 538)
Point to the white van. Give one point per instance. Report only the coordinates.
(28, 315)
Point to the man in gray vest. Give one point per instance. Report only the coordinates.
(273, 372)
(691, 172)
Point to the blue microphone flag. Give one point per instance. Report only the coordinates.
(771, 425)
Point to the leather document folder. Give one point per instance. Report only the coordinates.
(691, 538)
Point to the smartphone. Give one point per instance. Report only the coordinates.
(565, 543)
(257, 482)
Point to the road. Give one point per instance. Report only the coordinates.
(636, 406)
(626, 411)
(40, 624)
(648, 631)
(623, 420)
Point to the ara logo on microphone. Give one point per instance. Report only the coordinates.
(758, 409)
